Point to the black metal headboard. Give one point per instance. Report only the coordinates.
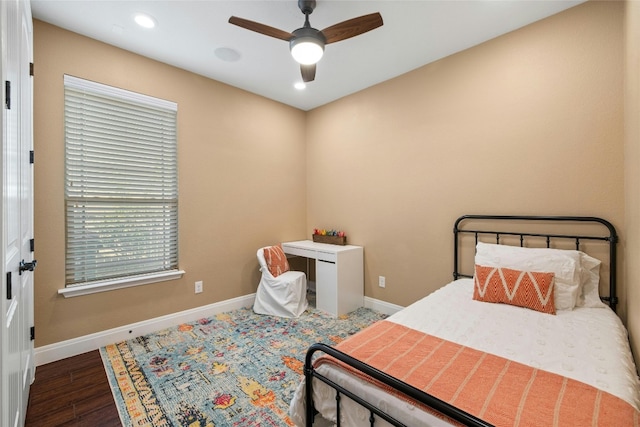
(467, 224)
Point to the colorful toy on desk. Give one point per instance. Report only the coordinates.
(321, 232)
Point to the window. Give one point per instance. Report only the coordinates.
(121, 186)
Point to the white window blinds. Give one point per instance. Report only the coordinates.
(121, 183)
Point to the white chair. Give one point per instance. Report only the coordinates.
(284, 295)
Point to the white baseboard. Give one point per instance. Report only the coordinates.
(73, 347)
(61, 350)
(381, 306)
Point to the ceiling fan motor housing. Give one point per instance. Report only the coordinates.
(307, 33)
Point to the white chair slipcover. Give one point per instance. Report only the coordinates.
(284, 296)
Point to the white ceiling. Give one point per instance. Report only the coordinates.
(195, 35)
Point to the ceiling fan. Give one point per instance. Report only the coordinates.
(307, 43)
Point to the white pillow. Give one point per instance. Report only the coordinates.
(565, 264)
(590, 295)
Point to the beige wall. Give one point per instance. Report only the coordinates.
(632, 172)
(241, 183)
(528, 123)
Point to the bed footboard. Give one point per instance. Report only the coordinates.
(436, 404)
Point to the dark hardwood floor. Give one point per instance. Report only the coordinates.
(72, 392)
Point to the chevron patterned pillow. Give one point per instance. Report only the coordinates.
(527, 289)
(276, 260)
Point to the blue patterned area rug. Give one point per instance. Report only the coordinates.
(235, 369)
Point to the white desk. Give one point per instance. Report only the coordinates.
(339, 274)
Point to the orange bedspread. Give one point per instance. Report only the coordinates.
(497, 390)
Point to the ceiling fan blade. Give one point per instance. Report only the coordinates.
(260, 28)
(308, 72)
(352, 27)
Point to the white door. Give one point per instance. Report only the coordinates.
(16, 346)
(26, 198)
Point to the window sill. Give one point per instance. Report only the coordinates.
(127, 282)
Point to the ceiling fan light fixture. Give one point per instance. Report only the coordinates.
(306, 50)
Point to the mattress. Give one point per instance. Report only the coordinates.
(585, 344)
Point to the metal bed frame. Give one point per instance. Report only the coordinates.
(447, 410)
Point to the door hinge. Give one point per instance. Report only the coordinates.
(32, 157)
(9, 291)
(32, 245)
(31, 69)
(32, 333)
(7, 94)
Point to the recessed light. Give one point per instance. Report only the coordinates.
(144, 20)
(300, 85)
(227, 54)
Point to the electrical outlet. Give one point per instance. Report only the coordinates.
(381, 281)
(198, 286)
